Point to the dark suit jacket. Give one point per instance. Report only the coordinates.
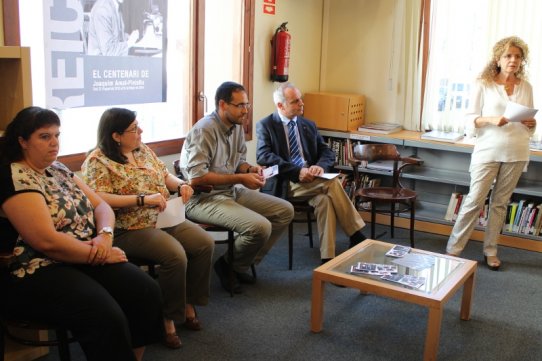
(272, 148)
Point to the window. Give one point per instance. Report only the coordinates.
(183, 69)
(462, 34)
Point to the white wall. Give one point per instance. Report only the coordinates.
(304, 19)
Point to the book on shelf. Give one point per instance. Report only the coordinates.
(450, 137)
(386, 165)
(381, 128)
(511, 215)
(451, 206)
(457, 206)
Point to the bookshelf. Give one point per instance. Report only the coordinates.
(445, 170)
(15, 75)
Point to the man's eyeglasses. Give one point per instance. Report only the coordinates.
(241, 105)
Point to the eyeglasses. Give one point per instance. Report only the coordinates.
(133, 130)
(241, 105)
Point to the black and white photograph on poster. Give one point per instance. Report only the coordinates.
(117, 58)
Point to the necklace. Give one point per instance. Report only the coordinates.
(508, 87)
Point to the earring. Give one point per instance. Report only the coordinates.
(118, 143)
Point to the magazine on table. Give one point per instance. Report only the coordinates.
(374, 269)
(407, 280)
(398, 251)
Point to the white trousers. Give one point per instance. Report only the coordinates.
(330, 204)
(505, 176)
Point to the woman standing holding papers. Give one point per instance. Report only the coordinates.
(131, 178)
(501, 151)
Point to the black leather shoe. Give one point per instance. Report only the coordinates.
(356, 238)
(245, 278)
(222, 270)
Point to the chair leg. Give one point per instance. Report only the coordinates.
(231, 244)
(412, 220)
(373, 219)
(63, 344)
(392, 220)
(253, 269)
(290, 244)
(309, 226)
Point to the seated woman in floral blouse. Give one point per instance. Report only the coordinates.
(136, 184)
(65, 270)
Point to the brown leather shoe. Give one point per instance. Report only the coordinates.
(172, 340)
(192, 324)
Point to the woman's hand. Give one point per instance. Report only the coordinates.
(529, 123)
(101, 248)
(156, 200)
(117, 255)
(185, 191)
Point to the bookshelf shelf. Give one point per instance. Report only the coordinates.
(445, 170)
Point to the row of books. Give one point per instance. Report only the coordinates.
(343, 149)
(523, 216)
(454, 205)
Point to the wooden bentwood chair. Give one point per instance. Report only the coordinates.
(388, 196)
(229, 240)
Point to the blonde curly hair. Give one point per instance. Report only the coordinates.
(492, 69)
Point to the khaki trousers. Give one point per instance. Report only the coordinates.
(504, 178)
(331, 204)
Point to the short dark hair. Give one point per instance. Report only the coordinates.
(25, 123)
(225, 90)
(114, 120)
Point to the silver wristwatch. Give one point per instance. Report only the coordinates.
(107, 230)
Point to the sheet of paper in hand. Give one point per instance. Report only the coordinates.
(271, 171)
(515, 112)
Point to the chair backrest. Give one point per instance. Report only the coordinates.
(373, 152)
(377, 152)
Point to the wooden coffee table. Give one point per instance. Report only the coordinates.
(443, 278)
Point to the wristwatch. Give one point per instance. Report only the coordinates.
(107, 230)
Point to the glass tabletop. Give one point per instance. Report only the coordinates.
(433, 267)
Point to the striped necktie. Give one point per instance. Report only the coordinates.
(295, 151)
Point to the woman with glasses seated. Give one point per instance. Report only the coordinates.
(65, 270)
(129, 176)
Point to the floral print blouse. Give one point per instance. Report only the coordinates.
(70, 209)
(149, 176)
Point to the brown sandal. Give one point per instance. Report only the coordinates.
(172, 340)
(492, 262)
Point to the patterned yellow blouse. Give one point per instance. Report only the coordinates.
(148, 177)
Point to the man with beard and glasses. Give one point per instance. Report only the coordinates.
(214, 153)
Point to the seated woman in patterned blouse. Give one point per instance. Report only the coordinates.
(130, 177)
(65, 270)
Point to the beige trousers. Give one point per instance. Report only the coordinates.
(506, 176)
(330, 204)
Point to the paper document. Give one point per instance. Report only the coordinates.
(328, 175)
(172, 215)
(515, 112)
(271, 171)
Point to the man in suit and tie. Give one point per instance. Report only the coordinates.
(293, 143)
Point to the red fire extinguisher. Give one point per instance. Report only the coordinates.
(280, 54)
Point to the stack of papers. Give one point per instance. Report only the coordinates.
(398, 251)
(407, 280)
(381, 128)
(450, 137)
(373, 269)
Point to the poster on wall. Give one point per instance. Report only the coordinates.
(104, 52)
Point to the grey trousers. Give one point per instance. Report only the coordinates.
(184, 253)
(331, 204)
(506, 176)
(258, 219)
